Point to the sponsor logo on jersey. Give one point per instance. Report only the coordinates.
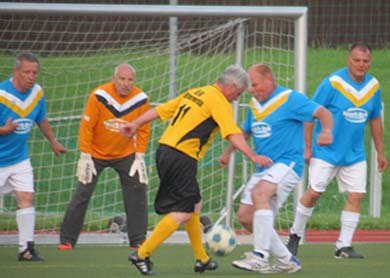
(355, 115)
(261, 130)
(24, 126)
(114, 125)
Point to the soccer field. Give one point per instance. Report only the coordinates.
(176, 260)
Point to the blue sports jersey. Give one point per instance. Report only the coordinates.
(25, 109)
(352, 105)
(277, 126)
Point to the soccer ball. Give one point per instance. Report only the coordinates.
(221, 240)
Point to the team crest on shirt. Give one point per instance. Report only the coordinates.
(114, 125)
(261, 130)
(355, 115)
(24, 126)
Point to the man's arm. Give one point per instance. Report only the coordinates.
(45, 127)
(308, 135)
(326, 119)
(377, 136)
(239, 142)
(223, 159)
(130, 129)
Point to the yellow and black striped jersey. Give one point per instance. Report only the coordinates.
(196, 116)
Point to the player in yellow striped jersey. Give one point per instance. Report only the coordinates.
(195, 117)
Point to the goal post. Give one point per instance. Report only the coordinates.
(173, 48)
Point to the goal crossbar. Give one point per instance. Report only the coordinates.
(151, 10)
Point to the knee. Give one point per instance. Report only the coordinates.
(25, 199)
(313, 195)
(310, 197)
(354, 197)
(245, 219)
(181, 217)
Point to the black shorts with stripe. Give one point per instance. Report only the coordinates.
(179, 190)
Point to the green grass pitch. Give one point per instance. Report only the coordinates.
(176, 260)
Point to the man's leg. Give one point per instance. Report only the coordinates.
(21, 180)
(303, 212)
(320, 175)
(25, 218)
(349, 221)
(353, 180)
(203, 261)
(75, 213)
(263, 221)
(166, 227)
(135, 203)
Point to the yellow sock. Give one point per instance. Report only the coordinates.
(194, 232)
(163, 230)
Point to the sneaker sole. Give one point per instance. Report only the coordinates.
(253, 270)
(243, 268)
(347, 258)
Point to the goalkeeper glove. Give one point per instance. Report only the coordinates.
(85, 168)
(140, 167)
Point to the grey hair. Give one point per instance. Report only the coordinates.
(132, 69)
(236, 75)
(26, 56)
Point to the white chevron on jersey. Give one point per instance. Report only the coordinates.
(261, 111)
(357, 97)
(121, 107)
(18, 106)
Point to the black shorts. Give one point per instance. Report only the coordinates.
(179, 189)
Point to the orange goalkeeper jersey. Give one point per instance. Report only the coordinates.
(104, 113)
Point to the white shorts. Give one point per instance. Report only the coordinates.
(350, 178)
(280, 174)
(17, 177)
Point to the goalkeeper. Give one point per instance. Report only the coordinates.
(108, 107)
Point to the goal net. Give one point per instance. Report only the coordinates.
(79, 51)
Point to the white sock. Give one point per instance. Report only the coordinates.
(263, 224)
(349, 222)
(25, 219)
(302, 215)
(278, 249)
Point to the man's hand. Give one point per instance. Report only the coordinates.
(9, 127)
(128, 130)
(223, 159)
(325, 137)
(58, 148)
(85, 168)
(262, 160)
(139, 167)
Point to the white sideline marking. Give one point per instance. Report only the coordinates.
(106, 238)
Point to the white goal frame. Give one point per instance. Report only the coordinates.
(298, 14)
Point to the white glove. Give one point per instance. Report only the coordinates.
(140, 167)
(85, 168)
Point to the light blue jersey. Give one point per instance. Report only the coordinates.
(277, 126)
(353, 105)
(25, 109)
